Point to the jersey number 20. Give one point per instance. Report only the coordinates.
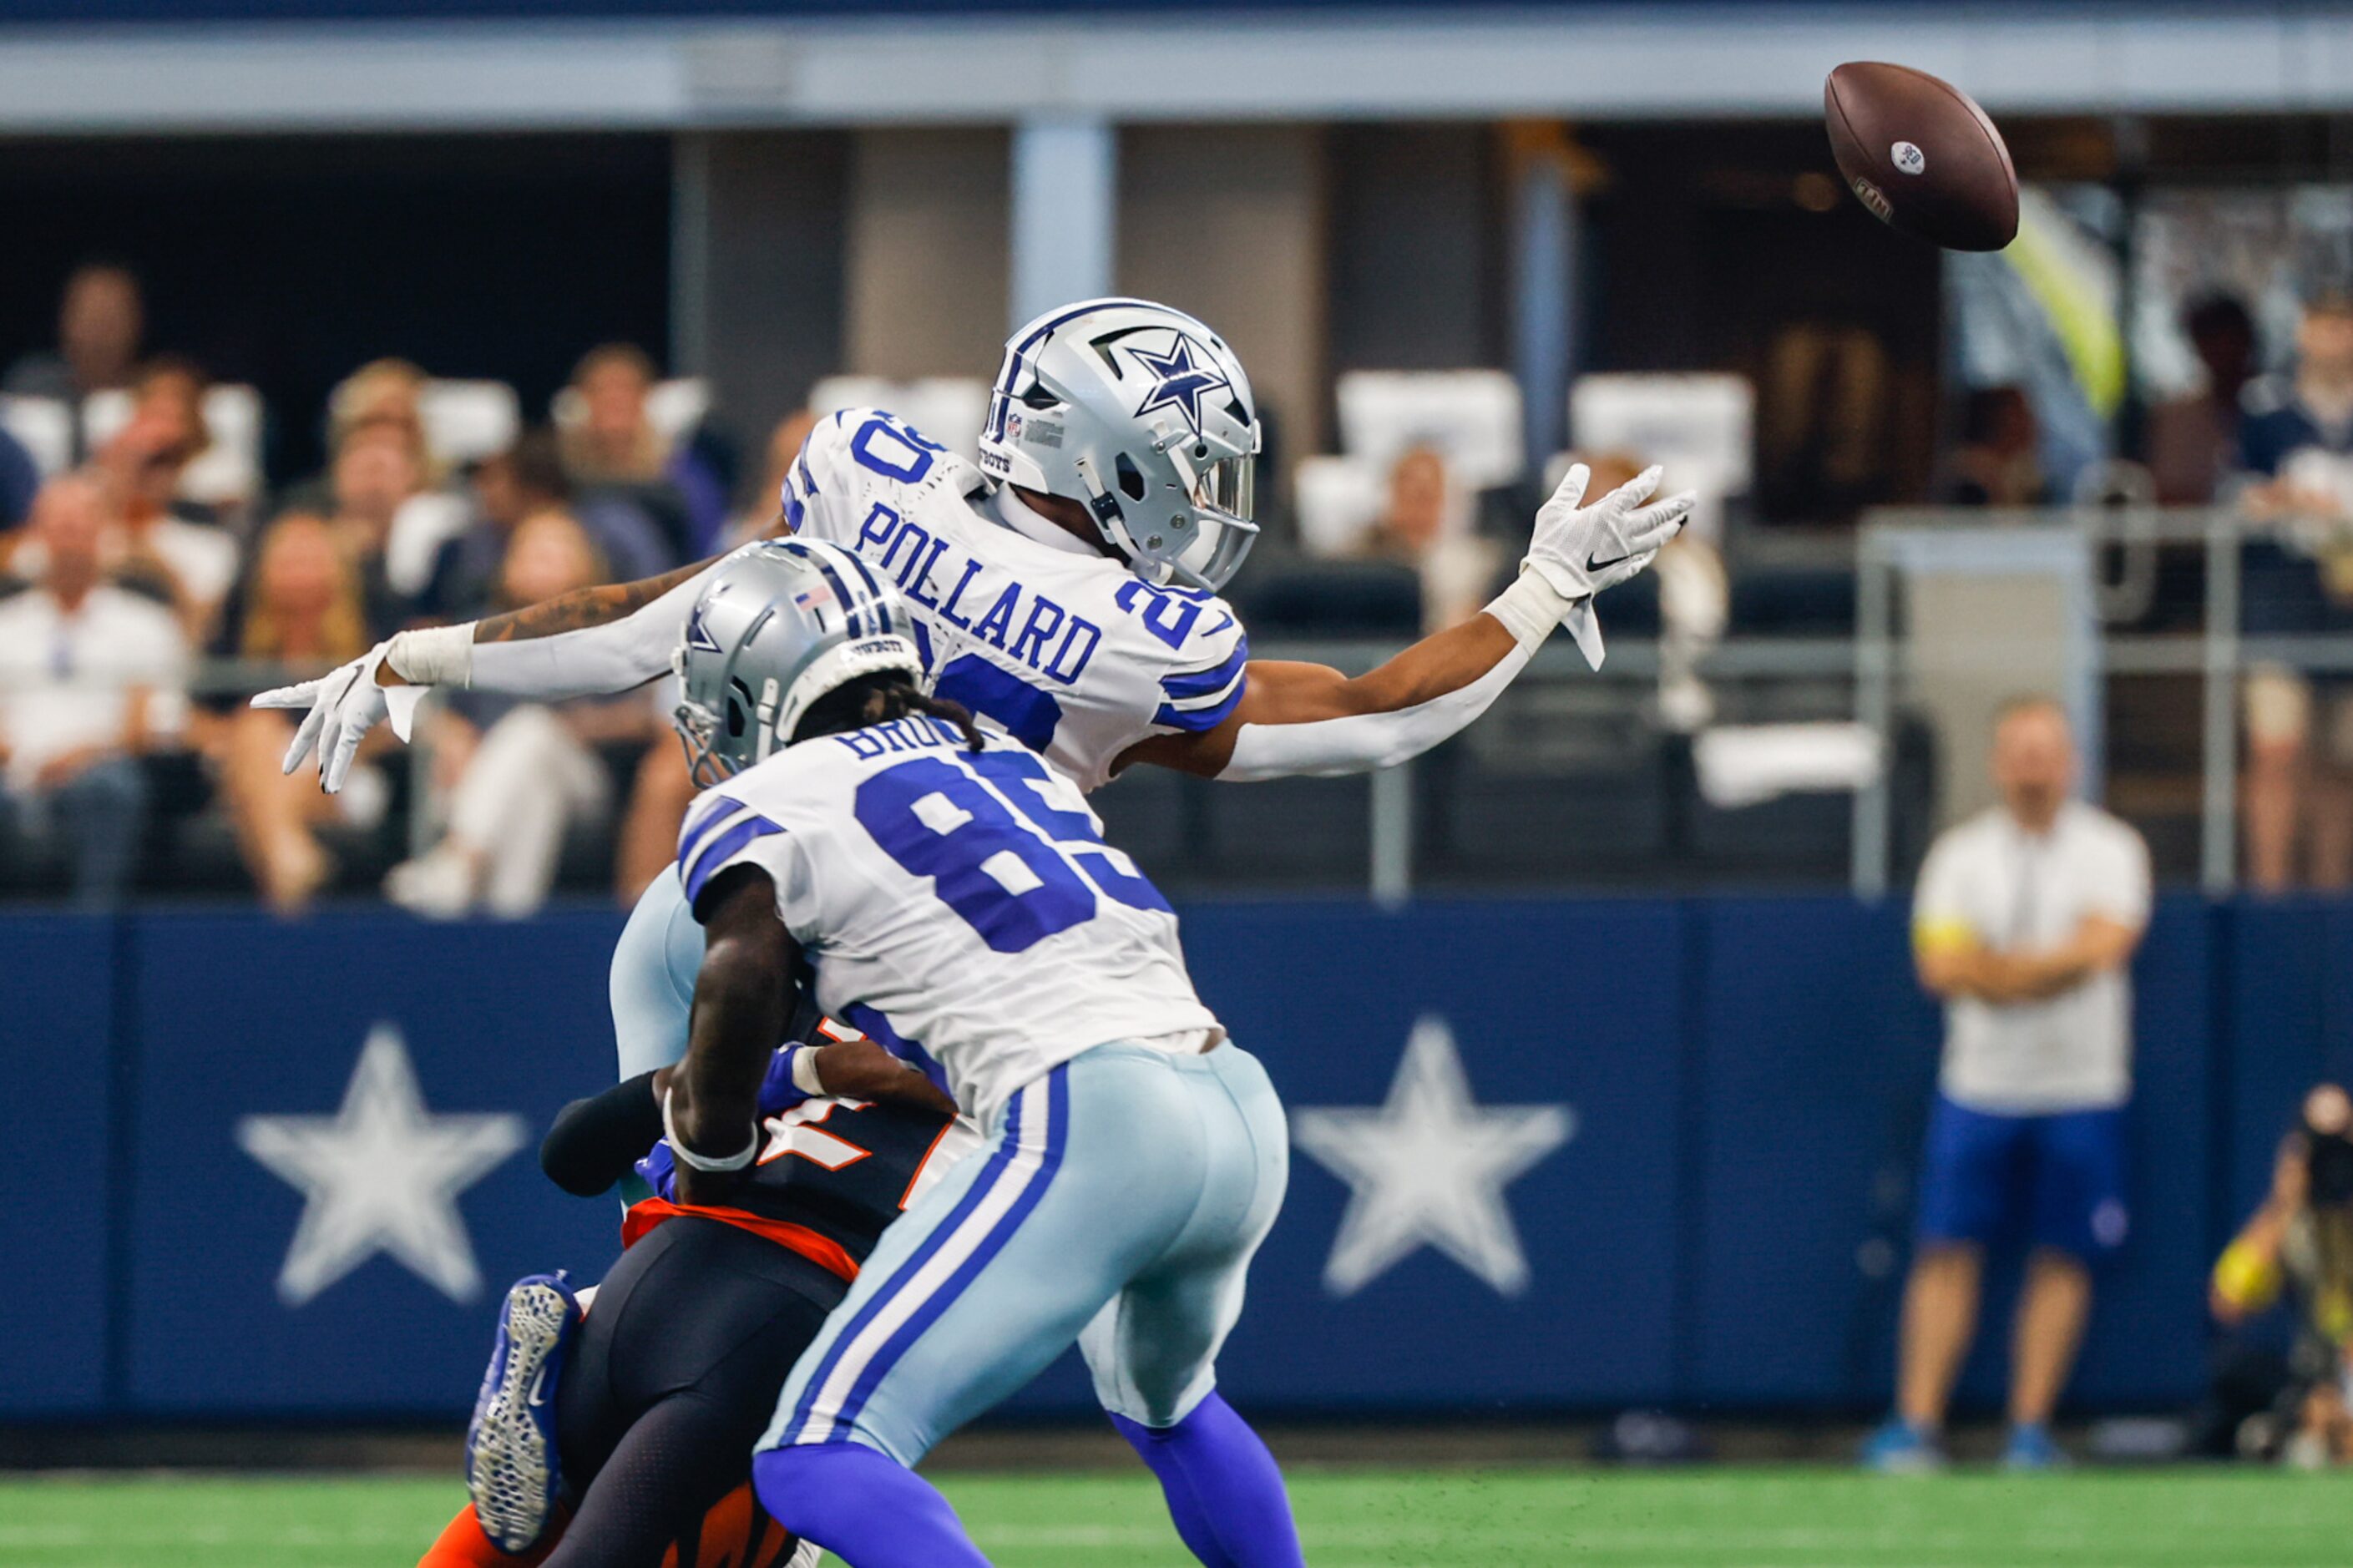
(1013, 866)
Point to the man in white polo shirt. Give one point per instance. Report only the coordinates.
(90, 676)
(2026, 918)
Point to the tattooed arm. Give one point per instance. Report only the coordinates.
(584, 644)
(585, 607)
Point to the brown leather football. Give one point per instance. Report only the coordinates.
(1921, 155)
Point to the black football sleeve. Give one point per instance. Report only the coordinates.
(595, 1140)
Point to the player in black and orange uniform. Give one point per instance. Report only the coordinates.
(621, 1437)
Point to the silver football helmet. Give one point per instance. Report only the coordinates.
(1144, 416)
(778, 625)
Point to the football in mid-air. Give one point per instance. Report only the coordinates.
(1921, 155)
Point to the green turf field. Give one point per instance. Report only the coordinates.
(1352, 1518)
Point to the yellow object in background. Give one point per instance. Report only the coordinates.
(1948, 934)
(2247, 1276)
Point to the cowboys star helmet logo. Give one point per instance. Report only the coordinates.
(698, 635)
(1184, 376)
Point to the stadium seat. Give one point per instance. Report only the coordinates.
(677, 406)
(44, 427)
(227, 473)
(466, 421)
(1470, 416)
(948, 410)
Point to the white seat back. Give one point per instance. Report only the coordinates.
(467, 421)
(949, 409)
(1699, 427)
(1335, 501)
(1471, 417)
(44, 427)
(228, 472)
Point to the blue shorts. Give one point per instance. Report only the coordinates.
(2057, 1179)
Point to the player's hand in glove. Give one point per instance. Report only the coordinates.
(1580, 549)
(344, 704)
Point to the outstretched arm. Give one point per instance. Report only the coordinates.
(1296, 719)
(581, 644)
(583, 608)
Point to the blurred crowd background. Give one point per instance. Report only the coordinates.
(267, 402)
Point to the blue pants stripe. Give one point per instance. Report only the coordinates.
(1057, 1138)
(1004, 1160)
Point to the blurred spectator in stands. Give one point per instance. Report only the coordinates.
(1998, 462)
(20, 479)
(518, 774)
(2297, 444)
(1425, 523)
(381, 486)
(759, 519)
(2026, 918)
(2298, 795)
(2299, 1243)
(659, 793)
(177, 546)
(613, 449)
(100, 321)
(2298, 432)
(614, 441)
(507, 486)
(299, 611)
(376, 486)
(91, 676)
(2193, 441)
(1827, 412)
(510, 486)
(382, 389)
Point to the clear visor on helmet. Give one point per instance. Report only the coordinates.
(1230, 487)
(1223, 497)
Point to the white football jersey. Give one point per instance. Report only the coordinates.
(953, 905)
(1057, 644)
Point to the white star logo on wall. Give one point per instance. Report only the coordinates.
(382, 1174)
(1429, 1168)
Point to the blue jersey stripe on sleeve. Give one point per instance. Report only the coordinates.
(700, 823)
(721, 849)
(1207, 682)
(1197, 719)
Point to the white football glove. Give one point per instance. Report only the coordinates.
(1580, 549)
(346, 703)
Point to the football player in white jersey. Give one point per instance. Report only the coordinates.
(1065, 590)
(950, 882)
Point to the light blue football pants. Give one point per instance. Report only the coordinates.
(652, 980)
(1117, 1204)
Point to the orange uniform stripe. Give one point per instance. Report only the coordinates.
(823, 1251)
